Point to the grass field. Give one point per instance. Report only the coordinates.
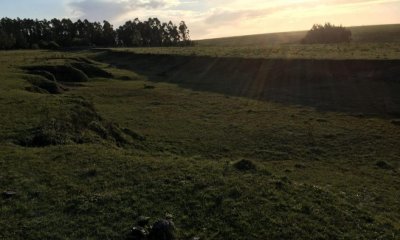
(158, 137)
(360, 34)
(367, 51)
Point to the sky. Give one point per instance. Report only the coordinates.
(215, 18)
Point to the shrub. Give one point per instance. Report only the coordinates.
(327, 33)
(53, 46)
(43, 44)
(35, 46)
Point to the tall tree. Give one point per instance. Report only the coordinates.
(184, 32)
(25, 33)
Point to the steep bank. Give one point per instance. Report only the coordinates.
(353, 86)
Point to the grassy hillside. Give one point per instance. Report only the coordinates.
(362, 51)
(361, 34)
(89, 154)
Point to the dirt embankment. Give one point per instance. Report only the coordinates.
(355, 86)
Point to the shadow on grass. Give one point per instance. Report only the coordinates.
(350, 86)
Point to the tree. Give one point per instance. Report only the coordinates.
(184, 33)
(327, 33)
(108, 35)
(6, 41)
(29, 33)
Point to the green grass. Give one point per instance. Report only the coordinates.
(361, 34)
(369, 42)
(316, 171)
(290, 51)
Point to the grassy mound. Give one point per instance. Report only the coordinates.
(46, 74)
(43, 85)
(80, 123)
(91, 70)
(63, 73)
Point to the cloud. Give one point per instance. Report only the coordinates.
(230, 16)
(97, 10)
(216, 18)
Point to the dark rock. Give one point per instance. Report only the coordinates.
(138, 233)
(245, 165)
(143, 221)
(9, 194)
(141, 231)
(163, 229)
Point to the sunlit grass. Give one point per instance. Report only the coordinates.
(316, 175)
(290, 51)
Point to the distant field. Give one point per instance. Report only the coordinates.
(361, 34)
(283, 51)
(380, 42)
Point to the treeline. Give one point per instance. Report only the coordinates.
(327, 33)
(29, 33)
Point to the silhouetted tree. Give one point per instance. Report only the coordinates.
(327, 33)
(184, 33)
(7, 41)
(108, 34)
(29, 33)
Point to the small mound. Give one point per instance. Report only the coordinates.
(46, 135)
(91, 70)
(63, 73)
(384, 165)
(45, 74)
(43, 85)
(79, 123)
(245, 165)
